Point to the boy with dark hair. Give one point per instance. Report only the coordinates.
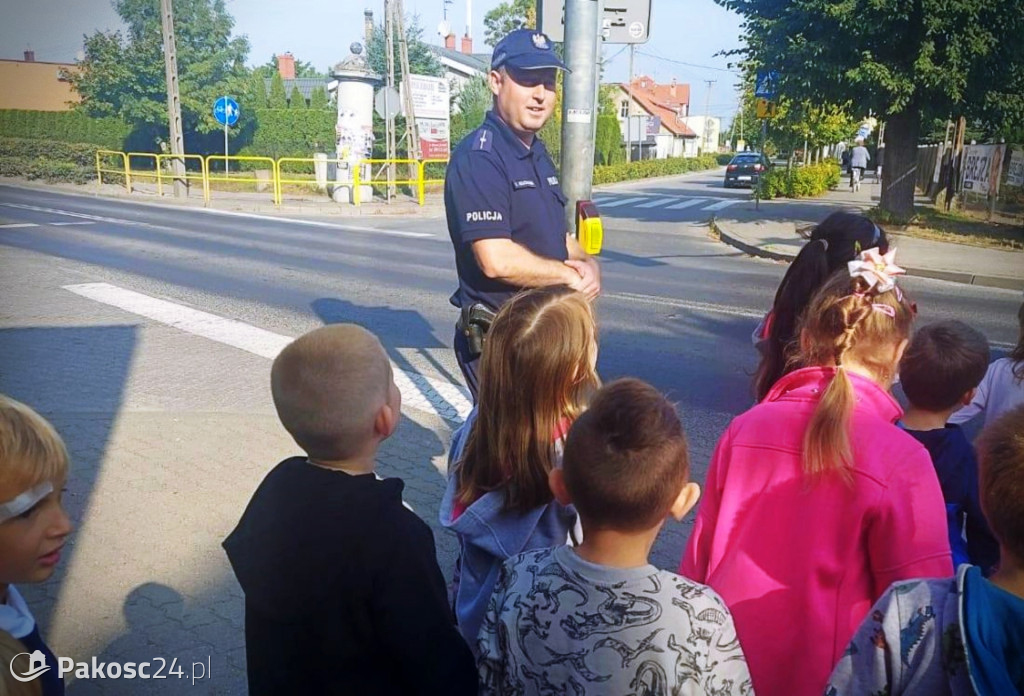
(597, 618)
(960, 636)
(342, 590)
(939, 373)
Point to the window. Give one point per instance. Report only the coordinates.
(624, 109)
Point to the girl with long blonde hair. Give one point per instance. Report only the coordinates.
(537, 373)
(815, 501)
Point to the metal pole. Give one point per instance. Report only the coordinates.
(581, 31)
(707, 117)
(757, 189)
(629, 107)
(226, 169)
(389, 42)
(173, 96)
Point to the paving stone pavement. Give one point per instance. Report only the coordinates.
(169, 435)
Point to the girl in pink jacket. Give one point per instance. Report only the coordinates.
(815, 501)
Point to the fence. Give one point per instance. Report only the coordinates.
(983, 180)
(134, 167)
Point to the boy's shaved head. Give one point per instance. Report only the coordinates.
(328, 387)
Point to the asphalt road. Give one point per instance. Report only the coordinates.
(677, 308)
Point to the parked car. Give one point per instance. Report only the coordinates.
(745, 169)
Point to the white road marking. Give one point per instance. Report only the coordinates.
(622, 201)
(449, 401)
(66, 224)
(723, 204)
(68, 213)
(656, 203)
(687, 203)
(15, 225)
(687, 304)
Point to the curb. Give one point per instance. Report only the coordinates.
(1002, 282)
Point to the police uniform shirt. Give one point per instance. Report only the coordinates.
(497, 188)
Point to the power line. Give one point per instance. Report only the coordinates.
(691, 65)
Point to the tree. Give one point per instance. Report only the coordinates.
(255, 94)
(296, 100)
(509, 16)
(122, 73)
(318, 99)
(422, 60)
(952, 57)
(470, 105)
(278, 98)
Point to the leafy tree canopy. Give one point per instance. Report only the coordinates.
(508, 16)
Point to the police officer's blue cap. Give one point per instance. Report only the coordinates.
(526, 49)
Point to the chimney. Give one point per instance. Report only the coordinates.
(286, 66)
(30, 56)
(467, 44)
(367, 26)
(449, 42)
(672, 88)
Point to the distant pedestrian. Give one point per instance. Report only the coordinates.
(504, 202)
(33, 530)
(537, 375)
(833, 243)
(343, 594)
(858, 163)
(815, 501)
(845, 160)
(1002, 387)
(599, 619)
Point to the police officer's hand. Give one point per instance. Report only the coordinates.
(590, 276)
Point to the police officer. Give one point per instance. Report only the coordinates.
(505, 208)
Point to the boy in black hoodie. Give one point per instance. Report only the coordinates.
(939, 373)
(343, 594)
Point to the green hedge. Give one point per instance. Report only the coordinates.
(644, 169)
(64, 126)
(725, 158)
(38, 168)
(80, 154)
(292, 133)
(800, 182)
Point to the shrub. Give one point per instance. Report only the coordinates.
(80, 154)
(49, 170)
(800, 182)
(644, 169)
(64, 126)
(724, 158)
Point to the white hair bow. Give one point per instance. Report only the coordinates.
(878, 271)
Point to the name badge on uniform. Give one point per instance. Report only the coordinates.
(552, 181)
(523, 183)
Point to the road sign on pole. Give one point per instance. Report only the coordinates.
(765, 108)
(622, 22)
(765, 87)
(226, 111)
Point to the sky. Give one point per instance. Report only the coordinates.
(685, 37)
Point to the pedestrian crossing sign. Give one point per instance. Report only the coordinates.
(765, 108)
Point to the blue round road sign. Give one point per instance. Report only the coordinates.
(225, 110)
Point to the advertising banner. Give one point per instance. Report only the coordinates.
(982, 164)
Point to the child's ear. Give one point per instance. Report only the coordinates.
(968, 397)
(687, 498)
(556, 482)
(386, 422)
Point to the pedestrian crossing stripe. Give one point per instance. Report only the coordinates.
(674, 203)
(656, 203)
(622, 201)
(688, 203)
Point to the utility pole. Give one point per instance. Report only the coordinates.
(582, 23)
(173, 98)
(413, 143)
(629, 106)
(707, 116)
(389, 121)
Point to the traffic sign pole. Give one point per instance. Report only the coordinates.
(226, 151)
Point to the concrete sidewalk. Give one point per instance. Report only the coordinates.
(772, 232)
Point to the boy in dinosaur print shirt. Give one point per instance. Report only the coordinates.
(956, 636)
(597, 618)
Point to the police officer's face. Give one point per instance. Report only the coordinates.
(524, 99)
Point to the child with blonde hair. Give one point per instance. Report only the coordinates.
(537, 373)
(33, 530)
(815, 501)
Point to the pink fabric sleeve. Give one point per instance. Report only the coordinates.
(908, 537)
(697, 555)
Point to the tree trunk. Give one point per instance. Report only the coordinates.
(899, 175)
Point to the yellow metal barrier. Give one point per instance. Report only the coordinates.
(389, 181)
(125, 170)
(423, 182)
(144, 173)
(164, 159)
(271, 164)
(280, 180)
